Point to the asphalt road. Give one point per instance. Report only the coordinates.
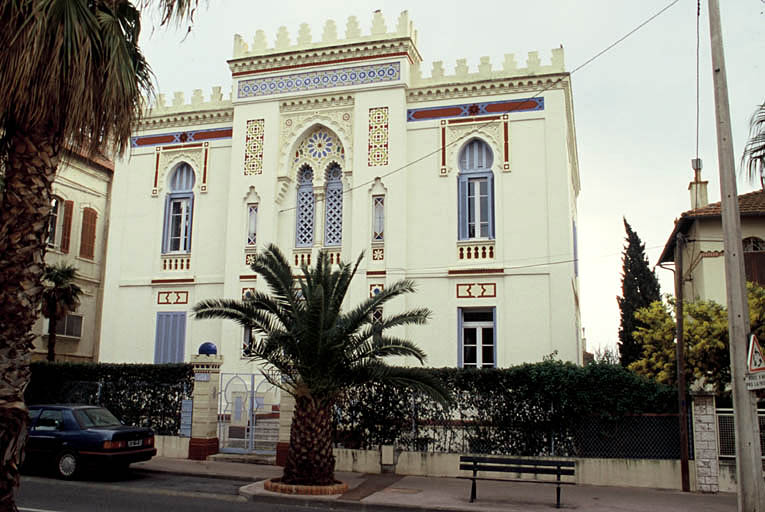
(135, 491)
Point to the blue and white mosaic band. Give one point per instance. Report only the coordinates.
(311, 81)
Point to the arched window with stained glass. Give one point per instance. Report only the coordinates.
(305, 208)
(333, 211)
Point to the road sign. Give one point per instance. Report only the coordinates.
(755, 377)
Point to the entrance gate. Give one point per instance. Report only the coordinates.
(247, 418)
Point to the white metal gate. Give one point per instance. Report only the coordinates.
(247, 416)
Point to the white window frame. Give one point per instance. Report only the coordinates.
(56, 224)
(483, 339)
(378, 221)
(183, 236)
(61, 325)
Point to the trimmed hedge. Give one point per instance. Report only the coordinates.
(531, 409)
(139, 394)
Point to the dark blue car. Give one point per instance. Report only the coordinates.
(67, 438)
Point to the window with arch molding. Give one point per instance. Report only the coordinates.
(475, 201)
(754, 244)
(305, 208)
(179, 210)
(333, 211)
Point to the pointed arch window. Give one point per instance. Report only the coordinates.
(179, 209)
(305, 208)
(475, 192)
(333, 211)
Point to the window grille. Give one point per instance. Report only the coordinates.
(305, 208)
(378, 225)
(334, 207)
(252, 223)
(754, 244)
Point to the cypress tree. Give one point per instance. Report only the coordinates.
(639, 289)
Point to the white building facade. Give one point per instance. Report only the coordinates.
(465, 183)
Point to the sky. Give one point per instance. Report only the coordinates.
(634, 106)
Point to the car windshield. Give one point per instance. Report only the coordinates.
(95, 417)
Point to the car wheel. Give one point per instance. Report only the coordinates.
(67, 464)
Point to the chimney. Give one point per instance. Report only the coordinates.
(698, 188)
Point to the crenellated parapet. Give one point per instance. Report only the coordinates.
(300, 49)
(510, 68)
(178, 111)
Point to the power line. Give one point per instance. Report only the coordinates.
(483, 125)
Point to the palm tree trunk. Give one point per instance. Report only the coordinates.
(52, 321)
(309, 457)
(24, 210)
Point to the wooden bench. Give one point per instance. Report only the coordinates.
(558, 468)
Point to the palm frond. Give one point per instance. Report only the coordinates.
(384, 346)
(753, 158)
(414, 378)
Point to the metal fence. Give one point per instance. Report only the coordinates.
(726, 432)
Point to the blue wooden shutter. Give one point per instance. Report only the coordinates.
(166, 226)
(459, 337)
(170, 339)
(491, 205)
(462, 207)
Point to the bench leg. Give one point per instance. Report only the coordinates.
(557, 496)
(472, 491)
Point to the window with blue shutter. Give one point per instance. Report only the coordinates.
(170, 339)
(475, 189)
(179, 208)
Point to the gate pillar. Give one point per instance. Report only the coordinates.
(286, 408)
(204, 419)
(705, 442)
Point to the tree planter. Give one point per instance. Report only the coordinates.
(275, 485)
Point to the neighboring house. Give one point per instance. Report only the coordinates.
(703, 261)
(77, 235)
(465, 183)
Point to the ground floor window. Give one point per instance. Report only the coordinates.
(170, 340)
(477, 338)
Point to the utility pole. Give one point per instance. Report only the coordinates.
(680, 353)
(751, 489)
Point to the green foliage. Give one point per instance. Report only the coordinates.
(531, 409)
(639, 289)
(139, 394)
(61, 295)
(707, 353)
(319, 349)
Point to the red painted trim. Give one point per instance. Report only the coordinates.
(437, 113)
(312, 64)
(375, 272)
(469, 271)
(215, 134)
(204, 174)
(247, 277)
(507, 144)
(169, 281)
(156, 171)
(152, 140)
(473, 119)
(443, 146)
(512, 106)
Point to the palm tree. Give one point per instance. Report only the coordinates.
(71, 77)
(61, 296)
(753, 159)
(321, 350)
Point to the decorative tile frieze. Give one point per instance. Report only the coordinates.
(378, 136)
(476, 290)
(317, 80)
(172, 262)
(253, 147)
(475, 109)
(378, 253)
(475, 250)
(247, 293)
(184, 137)
(172, 297)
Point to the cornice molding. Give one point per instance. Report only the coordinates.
(324, 55)
(488, 87)
(180, 118)
(316, 103)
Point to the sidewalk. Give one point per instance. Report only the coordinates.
(389, 492)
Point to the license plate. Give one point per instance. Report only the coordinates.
(133, 444)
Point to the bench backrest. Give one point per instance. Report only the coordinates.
(514, 465)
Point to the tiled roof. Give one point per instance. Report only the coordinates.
(751, 204)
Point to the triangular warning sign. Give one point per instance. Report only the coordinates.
(755, 359)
